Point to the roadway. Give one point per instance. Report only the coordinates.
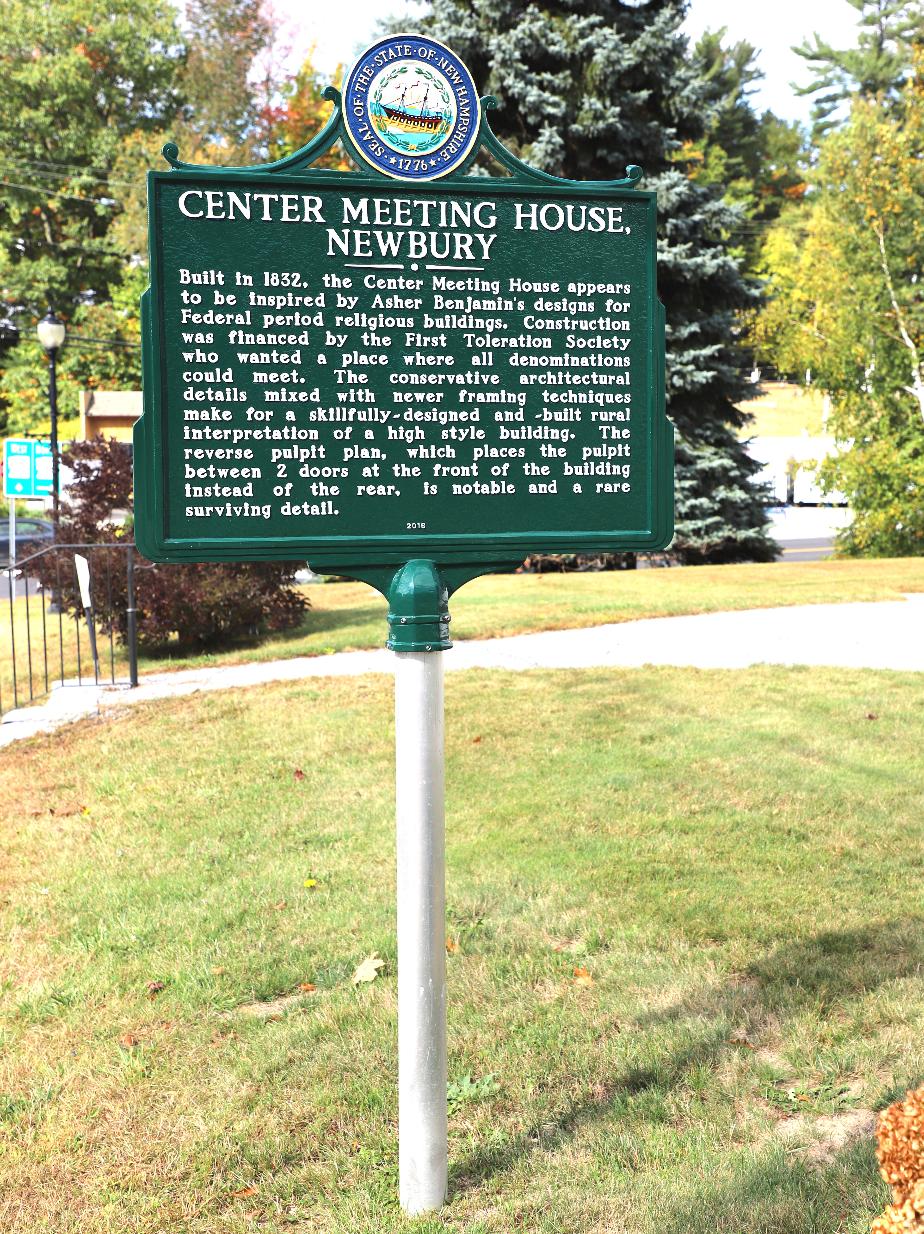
(806, 533)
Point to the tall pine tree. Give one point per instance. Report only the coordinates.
(587, 87)
(877, 66)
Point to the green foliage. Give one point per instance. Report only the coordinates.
(78, 78)
(758, 160)
(102, 351)
(884, 479)
(301, 113)
(465, 1091)
(226, 40)
(587, 87)
(847, 305)
(878, 64)
(731, 150)
(224, 82)
(91, 95)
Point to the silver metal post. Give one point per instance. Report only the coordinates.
(422, 1133)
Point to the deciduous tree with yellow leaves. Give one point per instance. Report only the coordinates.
(847, 277)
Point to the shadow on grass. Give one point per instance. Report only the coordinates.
(773, 1194)
(794, 978)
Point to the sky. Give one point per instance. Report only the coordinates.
(771, 27)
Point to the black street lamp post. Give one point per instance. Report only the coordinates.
(51, 333)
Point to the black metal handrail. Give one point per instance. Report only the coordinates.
(44, 568)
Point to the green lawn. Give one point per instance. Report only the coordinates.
(351, 616)
(782, 409)
(735, 859)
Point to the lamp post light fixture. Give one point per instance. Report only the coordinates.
(51, 333)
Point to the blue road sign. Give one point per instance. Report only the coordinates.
(26, 468)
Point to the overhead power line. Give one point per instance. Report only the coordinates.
(87, 340)
(48, 162)
(39, 167)
(47, 192)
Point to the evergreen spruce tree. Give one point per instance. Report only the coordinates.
(587, 87)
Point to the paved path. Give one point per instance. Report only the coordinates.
(888, 634)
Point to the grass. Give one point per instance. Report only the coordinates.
(57, 638)
(782, 409)
(351, 616)
(734, 858)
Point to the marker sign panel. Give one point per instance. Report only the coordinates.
(346, 368)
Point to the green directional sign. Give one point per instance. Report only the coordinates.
(358, 370)
(27, 467)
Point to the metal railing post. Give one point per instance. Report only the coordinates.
(45, 567)
(9, 575)
(131, 617)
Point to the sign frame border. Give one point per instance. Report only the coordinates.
(347, 553)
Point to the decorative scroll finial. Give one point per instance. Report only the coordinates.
(300, 163)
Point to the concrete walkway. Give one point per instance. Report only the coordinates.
(887, 634)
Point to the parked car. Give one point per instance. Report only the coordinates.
(31, 535)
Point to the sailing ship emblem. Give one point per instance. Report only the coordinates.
(411, 108)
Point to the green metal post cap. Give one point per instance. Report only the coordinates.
(418, 609)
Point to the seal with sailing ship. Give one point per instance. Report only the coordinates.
(411, 108)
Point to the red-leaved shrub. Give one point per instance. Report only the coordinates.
(190, 606)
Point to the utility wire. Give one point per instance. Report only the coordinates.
(44, 192)
(50, 162)
(74, 172)
(87, 340)
(54, 177)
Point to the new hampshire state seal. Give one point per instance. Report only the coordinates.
(411, 109)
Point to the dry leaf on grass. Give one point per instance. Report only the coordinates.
(452, 946)
(243, 1192)
(128, 1041)
(307, 987)
(369, 969)
(582, 977)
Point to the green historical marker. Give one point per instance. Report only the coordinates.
(356, 370)
(412, 375)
